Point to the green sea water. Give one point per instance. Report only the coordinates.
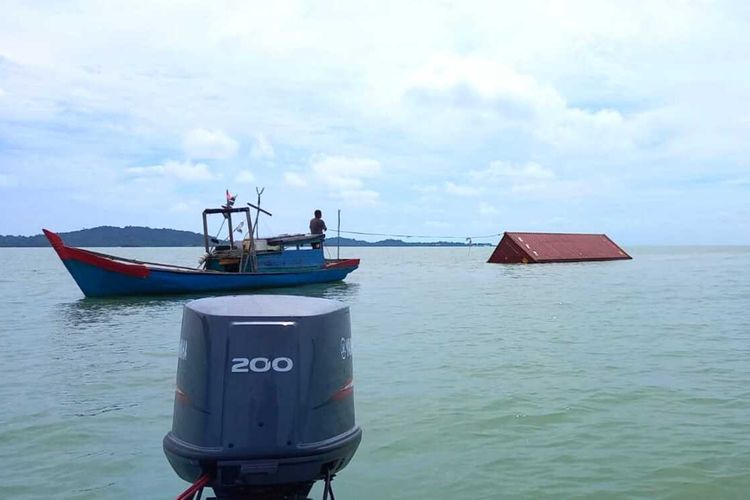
(589, 380)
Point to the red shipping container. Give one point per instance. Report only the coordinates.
(528, 248)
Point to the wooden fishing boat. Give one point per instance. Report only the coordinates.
(282, 261)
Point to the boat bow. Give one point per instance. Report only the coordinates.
(101, 261)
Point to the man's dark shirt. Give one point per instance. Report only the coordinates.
(317, 226)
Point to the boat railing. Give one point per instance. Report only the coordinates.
(142, 262)
(296, 239)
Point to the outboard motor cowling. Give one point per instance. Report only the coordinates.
(264, 399)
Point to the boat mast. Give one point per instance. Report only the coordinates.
(251, 243)
(253, 261)
(205, 231)
(231, 231)
(257, 212)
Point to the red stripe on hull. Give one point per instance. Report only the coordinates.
(346, 391)
(70, 253)
(342, 263)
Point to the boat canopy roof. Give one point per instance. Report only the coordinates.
(280, 240)
(224, 210)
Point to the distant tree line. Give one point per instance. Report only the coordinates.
(108, 236)
(137, 236)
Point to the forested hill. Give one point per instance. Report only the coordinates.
(348, 242)
(108, 236)
(137, 236)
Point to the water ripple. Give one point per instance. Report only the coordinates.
(591, 380)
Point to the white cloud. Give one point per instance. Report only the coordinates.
(181, 207)
(460, 190)
(429, 189)
(499, 176)
(471, 92)
(295, 179)
(245, 177)
(501, 171)
(262, 148)
(200, 143)
(183, 172)
(598, 93)
(487, 210)
(345, 176)
(532, 180)
(438, 224)
(359, 196)
(333, 168)
(527, 179)
(8, 181)
(463, 79)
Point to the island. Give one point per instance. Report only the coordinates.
(138, 236)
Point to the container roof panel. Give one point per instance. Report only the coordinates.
(556, 247)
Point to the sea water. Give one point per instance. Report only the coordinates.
(626, 379)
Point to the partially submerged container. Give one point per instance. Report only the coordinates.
(529, 248)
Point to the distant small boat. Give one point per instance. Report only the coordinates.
(282, 261)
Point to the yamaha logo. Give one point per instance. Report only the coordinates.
(346, 347)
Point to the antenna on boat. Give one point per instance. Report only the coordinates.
(338, 237)
(252, 230)
(260, 209)
(230, 203)
(257, 212)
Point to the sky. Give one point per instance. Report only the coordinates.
(434, 119)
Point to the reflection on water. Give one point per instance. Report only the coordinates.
(96, 311)
(617, 380)
(87, 312)
(340, 290)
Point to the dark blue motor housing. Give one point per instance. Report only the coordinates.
(264, 399)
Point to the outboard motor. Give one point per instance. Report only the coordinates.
(264, 401)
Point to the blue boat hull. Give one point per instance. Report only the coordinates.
(97, 282)
(100, 275)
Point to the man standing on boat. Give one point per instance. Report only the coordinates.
(317, 226)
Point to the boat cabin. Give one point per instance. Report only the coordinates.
(284, 253)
